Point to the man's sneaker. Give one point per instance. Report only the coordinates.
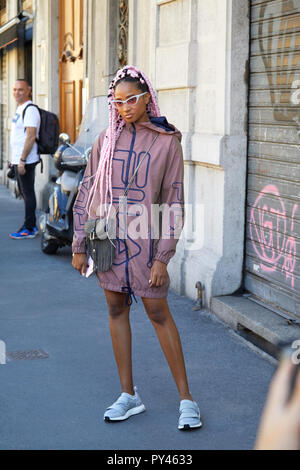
(24, 233)
(189, 415)
(126, 406)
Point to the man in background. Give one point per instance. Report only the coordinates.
(24, 155)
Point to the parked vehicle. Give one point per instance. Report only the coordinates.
(56, 222)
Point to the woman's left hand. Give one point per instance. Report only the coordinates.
(158, 274)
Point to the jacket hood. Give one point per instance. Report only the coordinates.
(161, 125)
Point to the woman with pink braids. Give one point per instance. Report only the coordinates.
(140, 263)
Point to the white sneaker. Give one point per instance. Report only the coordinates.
(126, 406)
(189, 417)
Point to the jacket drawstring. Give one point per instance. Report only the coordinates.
(127, 288)
(150, 261)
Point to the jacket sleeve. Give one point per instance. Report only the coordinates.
(80, 214)
(172, 199)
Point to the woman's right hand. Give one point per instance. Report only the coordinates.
(79, 262)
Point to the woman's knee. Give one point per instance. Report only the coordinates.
(157, 312)
(116, 305)
(117, 310)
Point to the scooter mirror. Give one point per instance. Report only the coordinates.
(87, 154)
(64, 138)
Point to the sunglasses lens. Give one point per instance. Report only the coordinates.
(132, 101)
(118, 104)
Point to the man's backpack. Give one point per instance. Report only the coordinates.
(49, 131)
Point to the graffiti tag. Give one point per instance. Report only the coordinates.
(268, 233)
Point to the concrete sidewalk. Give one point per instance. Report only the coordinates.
(57, 399)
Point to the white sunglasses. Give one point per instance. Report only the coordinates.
(132, 101)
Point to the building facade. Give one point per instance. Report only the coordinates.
(196, 55)
(227, 75)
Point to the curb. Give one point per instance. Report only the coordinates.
(257, 324)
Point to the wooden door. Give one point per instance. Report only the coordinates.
(71, 66)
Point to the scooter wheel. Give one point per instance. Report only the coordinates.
(49, 247)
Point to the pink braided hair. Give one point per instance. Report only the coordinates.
(103, 176)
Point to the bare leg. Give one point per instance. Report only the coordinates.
(121, 337)
(162, 320)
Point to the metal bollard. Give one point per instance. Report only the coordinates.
(200, 289)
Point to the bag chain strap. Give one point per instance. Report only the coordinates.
(134, 174)
(136, 170)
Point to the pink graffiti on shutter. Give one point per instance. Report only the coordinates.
(270, 241)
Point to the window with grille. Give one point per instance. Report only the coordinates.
(123, 32)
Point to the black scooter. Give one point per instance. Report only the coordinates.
(56, 222)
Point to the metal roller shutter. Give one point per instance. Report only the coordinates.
(272, 258)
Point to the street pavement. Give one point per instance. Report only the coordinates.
(56, 398)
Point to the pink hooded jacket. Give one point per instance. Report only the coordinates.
(159, 180)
